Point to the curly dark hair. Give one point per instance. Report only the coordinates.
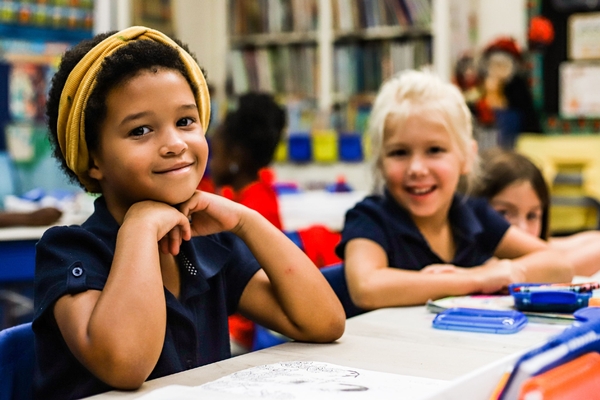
(125, 63)
(256, 127)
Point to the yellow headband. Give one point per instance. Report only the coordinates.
(81, 83)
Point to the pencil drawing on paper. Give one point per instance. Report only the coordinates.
(317, 380)
(281, 380)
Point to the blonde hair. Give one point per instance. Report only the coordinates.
(400, 94)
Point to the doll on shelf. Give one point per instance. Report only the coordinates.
(506, 103)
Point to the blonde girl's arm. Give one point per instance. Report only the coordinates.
(582, 249)
(289, 294)
(118, 333)
(533, 258)
(373, 284)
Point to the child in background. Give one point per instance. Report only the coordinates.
(243, 147)
(418, 239)
(143, 288)
(515, 187)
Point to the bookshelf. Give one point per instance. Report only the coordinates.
(325, 59)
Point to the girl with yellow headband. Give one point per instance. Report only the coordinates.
(143, 288)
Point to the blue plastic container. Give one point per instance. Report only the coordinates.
(299, 147)
(350, 147)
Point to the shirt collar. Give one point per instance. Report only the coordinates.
(206, 255)
(463, 220)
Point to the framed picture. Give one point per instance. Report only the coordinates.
(583, 34)
(579, 94)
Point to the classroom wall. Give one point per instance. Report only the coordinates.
(506, 17)
(202, 25)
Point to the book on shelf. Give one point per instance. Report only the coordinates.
(272, 16)
(280, 69)
(360, 67)
(352, 15)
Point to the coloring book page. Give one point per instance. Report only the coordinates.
(309, 380)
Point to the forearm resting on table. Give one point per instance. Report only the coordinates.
(549, 266)
(307, 307)
(389, 287)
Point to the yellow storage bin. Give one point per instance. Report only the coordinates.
(571, 166)
(366, 143)
(325, 146)
(281, 151)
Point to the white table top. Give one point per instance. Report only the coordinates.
(300, 210)
(36, 232)
(395, 340)
(22, 233)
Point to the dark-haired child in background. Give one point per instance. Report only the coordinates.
(516, 188)
(242, 148)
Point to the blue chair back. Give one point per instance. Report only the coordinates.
(17, 358)
(265, 338)
(294, 236)
(337, 279)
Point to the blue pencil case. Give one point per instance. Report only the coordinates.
(478, 320)
(545, 298)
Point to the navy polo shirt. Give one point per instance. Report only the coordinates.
(477, 229)
(214, 272)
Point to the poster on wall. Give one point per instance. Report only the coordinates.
(576, 98)
(27, 91)
(584, 31)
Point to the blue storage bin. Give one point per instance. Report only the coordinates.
(350, 147)
(299, 147)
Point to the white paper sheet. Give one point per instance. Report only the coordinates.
(306, 380)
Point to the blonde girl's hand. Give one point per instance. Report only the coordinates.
(495, 275)
(209, 213)
(171, 226)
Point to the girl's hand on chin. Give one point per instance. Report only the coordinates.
(209, 213)
(170, 225)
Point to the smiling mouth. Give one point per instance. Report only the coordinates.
(420, 191)
(177, 168)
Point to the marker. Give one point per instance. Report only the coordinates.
(577, 288)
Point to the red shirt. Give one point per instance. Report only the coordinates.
(259, 196)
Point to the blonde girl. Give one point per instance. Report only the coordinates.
(416, 238)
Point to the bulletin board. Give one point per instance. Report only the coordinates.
(579, 94)
(583, 36)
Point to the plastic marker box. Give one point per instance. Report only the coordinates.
(477, 320)
(549, 298)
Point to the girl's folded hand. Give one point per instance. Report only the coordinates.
(209, 213)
